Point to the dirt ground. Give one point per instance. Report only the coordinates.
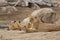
(20, 35)
(22, 13)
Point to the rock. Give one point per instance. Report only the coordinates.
(3, 3)
(46, 15)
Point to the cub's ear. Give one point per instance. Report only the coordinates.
(19, 21)
(14, 21)
(29, 25)
(25, 26)
(31, 18)
(35, 17)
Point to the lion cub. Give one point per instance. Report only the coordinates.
(15, 26)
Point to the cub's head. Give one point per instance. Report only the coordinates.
(15, 22)
(35, 19)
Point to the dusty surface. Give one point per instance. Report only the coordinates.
(17, 35)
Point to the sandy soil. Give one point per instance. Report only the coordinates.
(17, 35)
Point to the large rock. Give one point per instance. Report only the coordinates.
(3, 3)
(46, 15)
(55, 3)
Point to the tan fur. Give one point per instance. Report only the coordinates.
(30, 28)
(15, 26)
(43, 27)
